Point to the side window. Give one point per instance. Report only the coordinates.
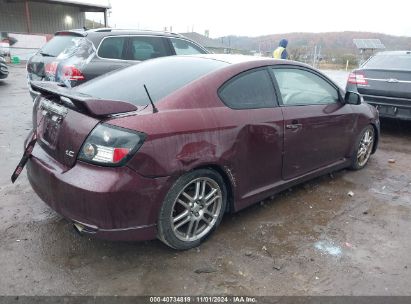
(249, 90)
(184, 47)
(143, 48)
(300, 87)
(112, 48)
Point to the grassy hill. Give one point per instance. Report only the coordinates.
(333, 44)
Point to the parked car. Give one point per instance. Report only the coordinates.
(74, 57)
(181, 140)
(4, 71)
(385, 82)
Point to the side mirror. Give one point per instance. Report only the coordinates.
(353, 98)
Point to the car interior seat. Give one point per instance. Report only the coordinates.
(110, 51)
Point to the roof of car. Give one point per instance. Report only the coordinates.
(394, 53)
(231, 58)
(109, 32)
(238, 59)
(249, 61)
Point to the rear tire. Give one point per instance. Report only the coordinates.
(192, 209)
(363, 148)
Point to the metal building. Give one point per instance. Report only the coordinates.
(45, 16)
(367, 48)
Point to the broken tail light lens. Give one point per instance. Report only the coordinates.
(70, 72)
(110, 146)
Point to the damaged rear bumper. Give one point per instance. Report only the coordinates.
(111, 203)
(391, 107)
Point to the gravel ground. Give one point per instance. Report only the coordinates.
(313, 239)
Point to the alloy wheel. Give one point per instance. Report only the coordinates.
(365, 147)
(196, 209)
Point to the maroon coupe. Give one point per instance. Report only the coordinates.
(166, 147)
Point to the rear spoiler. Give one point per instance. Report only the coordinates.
(72, 99)
(79, 33)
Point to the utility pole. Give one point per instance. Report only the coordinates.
(315, 55)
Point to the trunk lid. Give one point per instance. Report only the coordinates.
(389, 83)
(63, 119)
(61, 131)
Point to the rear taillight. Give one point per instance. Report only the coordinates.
(51, 68)
(110, 145)
(70, 72)
(357, 78)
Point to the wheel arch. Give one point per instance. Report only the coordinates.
(377, 137)
(225, 173)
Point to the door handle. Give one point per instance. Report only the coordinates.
(294, 126)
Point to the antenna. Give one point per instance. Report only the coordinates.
(155, 110)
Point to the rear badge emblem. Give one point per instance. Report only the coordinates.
(392, 80)
(70, 153)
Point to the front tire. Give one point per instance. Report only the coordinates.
(363, 148)
(192, 209)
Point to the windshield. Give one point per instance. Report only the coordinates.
(58, 44)
(162, 76)
(390, 62)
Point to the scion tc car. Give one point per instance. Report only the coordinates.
(385, 82)
(76, 56)
(166, 147)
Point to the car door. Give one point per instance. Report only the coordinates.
(317, 125)
(257, 121)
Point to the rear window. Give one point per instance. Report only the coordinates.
(390, 62)
(59, 43)
(161, 76)
(249, 90)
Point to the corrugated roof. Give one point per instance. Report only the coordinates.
(87, 5)
(204, 41)
(374, 44)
